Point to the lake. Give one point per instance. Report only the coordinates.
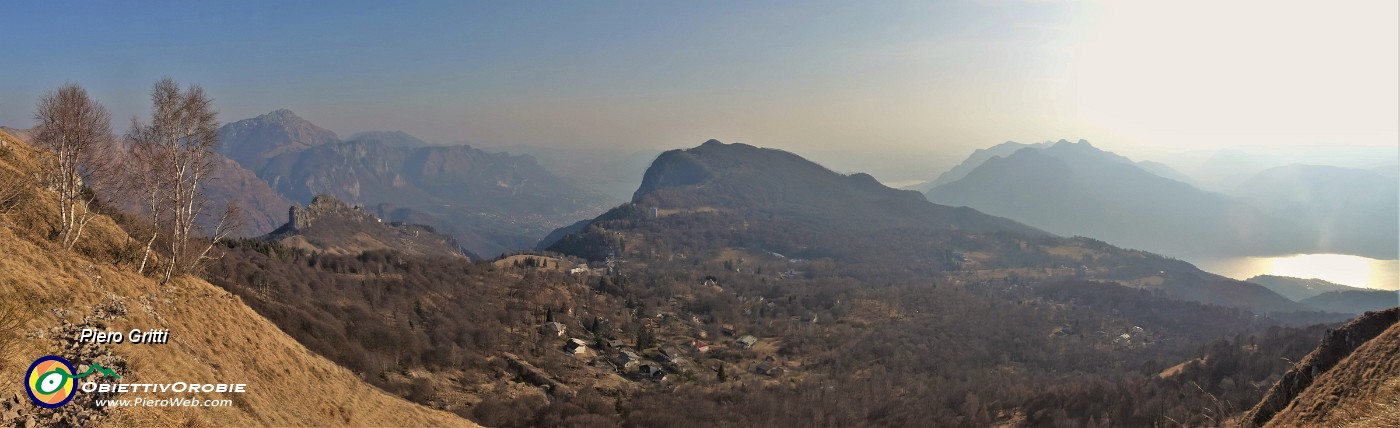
(1342, 269)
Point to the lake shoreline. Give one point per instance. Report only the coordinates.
(1349, 270)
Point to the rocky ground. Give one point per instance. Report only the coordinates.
(19, 411)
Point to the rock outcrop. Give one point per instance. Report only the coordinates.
(325, 206)
(17, 410)
(328, 225)
(1336, 346)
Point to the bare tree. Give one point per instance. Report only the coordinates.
(77, 130)
(144, 178)
(171, 158)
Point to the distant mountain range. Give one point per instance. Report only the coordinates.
(1327, 296)
(1343, 210)
(1222, 170)
(719, 200)
(490, 202)
(977, 158)
(252, 142)
(1298, 289)
(981, 156)
(391, 139)
(1354, 301)
(1077, 189)
(614, 172)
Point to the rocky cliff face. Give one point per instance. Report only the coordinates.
(331, 226)
(262, 207)
(325, 206)
(1336, 346)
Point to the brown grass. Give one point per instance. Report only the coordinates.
(214, 337)
(1361, 390)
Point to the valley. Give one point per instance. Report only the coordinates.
(748, 288)
(700, 214)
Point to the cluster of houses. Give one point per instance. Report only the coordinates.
(1130, 337)
(659, 363)
(656, 364)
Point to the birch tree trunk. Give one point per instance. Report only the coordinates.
(77, 131)
(177, 152)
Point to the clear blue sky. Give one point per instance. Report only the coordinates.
(845, 80)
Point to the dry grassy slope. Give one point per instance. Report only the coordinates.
(1351, 378)
(214, 337)
(1362, 390)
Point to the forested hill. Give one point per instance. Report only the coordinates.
(719, 200)
(776, 182)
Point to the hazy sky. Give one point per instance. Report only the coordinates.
(904, 89)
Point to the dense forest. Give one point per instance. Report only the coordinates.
(928, 352)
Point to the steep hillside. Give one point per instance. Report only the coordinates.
(262, 208)
(1362, 391)
(213, 336)
(1351, 379)
(1077, 189)
(718, 200)
(1345, 210)
(251, 142)
(327, 225)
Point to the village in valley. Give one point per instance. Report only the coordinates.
(669, 345)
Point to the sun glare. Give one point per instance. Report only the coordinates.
(1222, 72)
(1335, 268)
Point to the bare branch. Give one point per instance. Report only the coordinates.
(76, 131)
(172, 158)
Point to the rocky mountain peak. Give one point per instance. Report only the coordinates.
(326, 206)
(252, 142)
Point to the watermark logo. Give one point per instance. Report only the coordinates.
(51, 381)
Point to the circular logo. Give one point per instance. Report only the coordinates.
(50, 382)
